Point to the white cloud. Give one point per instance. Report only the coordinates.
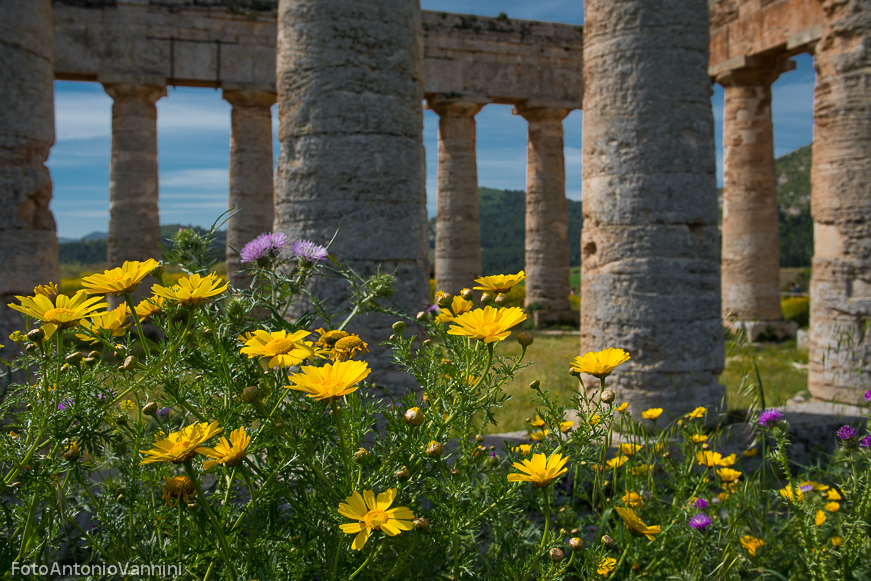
(210, 178)
(82, 115)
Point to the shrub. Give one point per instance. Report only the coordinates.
(796, 309)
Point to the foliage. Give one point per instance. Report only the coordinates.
(796, 309)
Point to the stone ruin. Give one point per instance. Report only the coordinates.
(349, 78)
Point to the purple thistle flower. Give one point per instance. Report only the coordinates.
(267, 245)
(493, 454)
(433, 308)
(700, 522)
(865, 442)
(846, 433)
(308, 251)
(806, 488)
(868, 395)
(162, 412)
(701, 503)
(769, 417)
(65, 404)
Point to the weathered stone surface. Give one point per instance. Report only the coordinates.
(28, 242)
(251, 180)
(458, 231)
(651, 272)
(840, 351)
(547, 218)
(751, 237)
(352, 159)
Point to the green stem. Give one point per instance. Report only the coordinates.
(337, 416)
(216, 524)
(371, 556)
(138, 325)
(546, 519)
(619, 563)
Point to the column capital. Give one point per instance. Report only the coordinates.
(241, 98)
(754, 71)
(149, 93)
(540, 113)
(454, 107)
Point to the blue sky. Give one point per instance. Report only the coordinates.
(194, 130)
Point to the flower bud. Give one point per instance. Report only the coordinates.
(119, 498)
(534, 384)
(576, 544)
(486, 298)
(403, 474)
(31, 347)
(557, 555)
(525, 339)
(455, 472)
(706, 446)
(414, 417)
(361, 454)
(193, 505)
(636, 566)
(94, 354)
(574, 372)
(607, 541)
(608, 396)
(150, 409)
(426, 343)
(399, 327)
(435, 449)
(158, 271)
(467, 294)
(250, 394)
(421, 524)
(563, 532)
(74, 358)
(36, 335)
(479, 438)
(90, 361)
(575, 531)
(445, 300)
(666, 455)
(421, 316)
(392, 337)
(501, 299)
(72, 453)
(118, 353)
(129, 363)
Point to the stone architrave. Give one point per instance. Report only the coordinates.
(751, 237)
(251, 180)
(547, 219)
(650, 256)
(458, 230)
(349, 80)
(840, 310)
(28, 240)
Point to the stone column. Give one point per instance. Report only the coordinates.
(134, 221)
(458, 231)
(650, 242)
(547, 219)
(349, 79)
(751, 237)
(28, 238)
(840, 346)
(251, 188)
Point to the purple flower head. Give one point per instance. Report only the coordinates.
(700, 522)
(868, 395)
(308, 251)
(769, 417)
(162, 412)
(65, 404)
(701, 503)
(806, 488)
(268, 245)
(865, 442)
(433, 309)
(493, 454)
(846, 433)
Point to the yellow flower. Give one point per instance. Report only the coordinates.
(630, 449)
(622, 407)
(640, 469)
(606, 565)
(728, 475)
(599, 363)
(177, 487)
(49, 290)
(488, 324)
(182, 445)
(192, 290)
(150, 306)
(699, 438)
(832, 507)
(330, 382)
(819, 518)
(752, 544)
(566, 426)
(540, 470)
(522, 449)
(632, 500)
(347, 347)
(617, 462)
(836, 542)
(540, 435)
(728, 460)
(459, 305)
(750, 452)
(283, 350)
(327, 339)
(114, 321)
(374, 515)
(652, 414)
(697, 413)
(788, 493)
(499, 283)
(119, 281)
(66, 312)
(537, 422)
(818, 487)
(724, 496)
(229, 453)
(708, 458)
(595, 420)
(834, 495)
(636, 527)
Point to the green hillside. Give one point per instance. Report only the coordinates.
(794, 200)
(91, 250)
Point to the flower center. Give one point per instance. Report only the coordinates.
(181, 447)
(58, 315)
(349, 343)
(374, 519)
(278, 347)
(329, 385)
(490, 328)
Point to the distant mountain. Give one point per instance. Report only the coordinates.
(96, 236)
(91, 249)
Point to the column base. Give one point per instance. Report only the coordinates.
(764, 330)
(566, 317)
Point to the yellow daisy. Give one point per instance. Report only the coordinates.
(283, 350)
(488, 324)
(697, 413)
(499, 283)
(537, 422)
(749, 452)
(834, 495)
(640, 469)
(617, 462)
(708, 458)
(819, 518)
(49, 290)
(522, 449)
(540, 470)
(566, 426)
(595, 420)
(63, 313)
(651, 414)
(539, 435)
(229, 453)
(635, 526)
(752, 544)
(330, 382)
(119, 281)
(632, 500)
(630, 449)
(153, 305)
(374, 515)
(698, 438)
(606, 565)
(728, 460)
(832, 507)
(788, 493)
(114, 321)
(192, 290)
(459, 305)
(836, 542)
(182, 445)
(622, 407)
(177, 487)
(328, 339)
(599, 364)
(348, 347)
(728, 475)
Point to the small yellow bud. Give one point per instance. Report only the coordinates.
(94, 354)
(421, 524)
(636, 566)
(608, 396)
(486, 298)
(435, 449)
(129, 363)
(467, 294)
(501, 299)
(414, 417)
(403, 474)
(421, 316)
(479, 438)
(607, 541)
(534, 384)
(399, 327)
(250, 394)
(36, 335)
(706, 446)
(557, 555)
(150, 408)
(445, 300)
(361, 454)
(90, 361)
(525, 339)
(576, 544)
(74, 358)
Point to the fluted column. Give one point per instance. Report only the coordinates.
(650, 241)
(751, 237)
(458, 231)
(251, 181)
(349, 79)
(134, 221)
(840, 344)
(28, 238)
(547, 219)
